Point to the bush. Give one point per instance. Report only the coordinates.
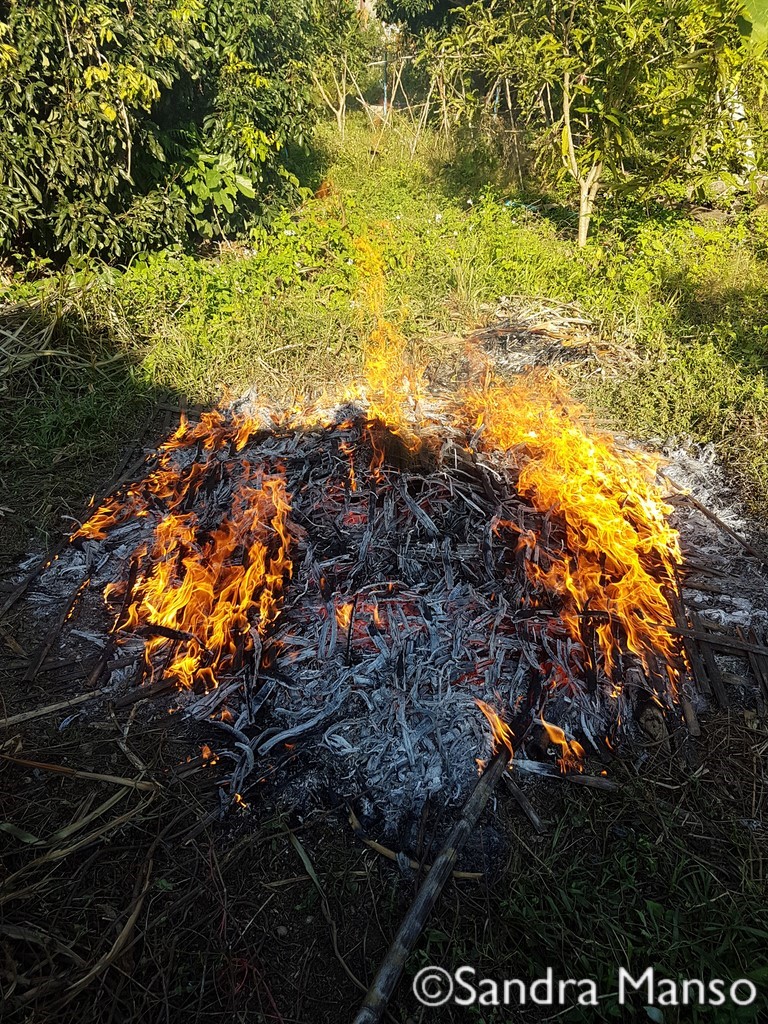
(124, 127)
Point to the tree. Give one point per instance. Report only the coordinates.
(128, 126)
(623, 91)
(350, 43)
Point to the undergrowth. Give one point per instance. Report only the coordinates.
(684, 302)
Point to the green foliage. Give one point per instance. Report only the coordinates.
(623, 91)
(417, 14)
(680, 306)
(214, 185)
(123, 127)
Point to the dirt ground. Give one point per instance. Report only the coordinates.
(125, 898)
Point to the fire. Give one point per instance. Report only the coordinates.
(392, 382)
(571, 752)
(620, 552)
(201, 594)
(349, 451)
(344, 615)
(204, 592)
(208, 755)
(501, 734)
(214, 432)
(203, 587)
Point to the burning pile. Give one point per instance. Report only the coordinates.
(380, 581)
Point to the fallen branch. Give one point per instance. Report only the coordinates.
(525, 805)
(755, 552)
(50, 709)
(386, 980)
(76, 773)
(415, 865)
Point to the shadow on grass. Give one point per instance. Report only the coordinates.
(72, 406)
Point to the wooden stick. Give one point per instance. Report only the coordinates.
(51, 709)
(76, 773)
(415, 865)
(525, 804)
(720, 641)
(757, 664)
(410, 930)
(718, 687)
(22, 588)
(546, 771)
(691, 721)
(36, 663)
(144, 692)
(759, 555)
(692, 651)
(591, 781)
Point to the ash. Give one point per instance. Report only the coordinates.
(403, 611)
(726, 583)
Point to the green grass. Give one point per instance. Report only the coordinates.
(684, 301)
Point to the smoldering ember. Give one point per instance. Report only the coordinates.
(357, 599)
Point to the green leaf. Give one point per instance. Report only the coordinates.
(18, 833)
(245, 186)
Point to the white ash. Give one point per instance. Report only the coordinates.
(734, 583)
(437, 612)
(696, 468)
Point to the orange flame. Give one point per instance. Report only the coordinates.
(208, 755)
(501, 734)
(213, 432)
(392, 381)
(344, 615)
(622, 553)
(197, 601)
(199, 589)
(349, 451)
(571, 752)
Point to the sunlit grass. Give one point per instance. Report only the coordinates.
(282, 311)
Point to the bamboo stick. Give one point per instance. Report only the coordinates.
(50, 709)
(76, 773)
(749, 548)
(413, 924)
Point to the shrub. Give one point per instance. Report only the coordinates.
(124, 127)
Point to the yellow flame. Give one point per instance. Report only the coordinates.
(501, 734)
(622, 552)
(204, 585)
(344, 615)
(571, 752)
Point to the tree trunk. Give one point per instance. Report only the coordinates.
(588, 187)
(341, 92)
(585, 213)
